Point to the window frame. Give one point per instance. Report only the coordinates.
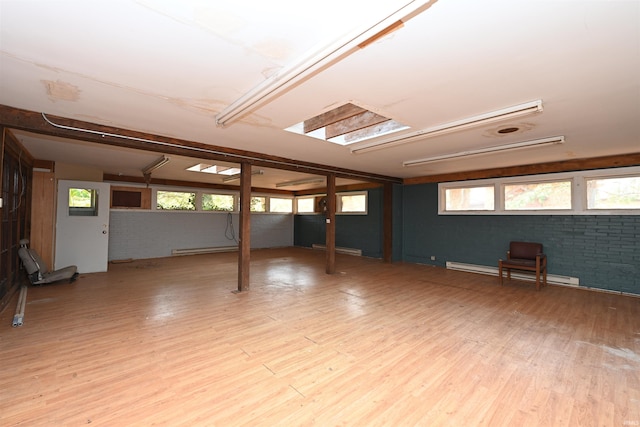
(200, 201)
(613, 211)
(339, 203)
(503, 202)
(442, 202)
(339, 211)
(269, 198)
(196, 199)
(578, 192)
(199, 193)
(295, 205)
(81, 211)
(266, 203)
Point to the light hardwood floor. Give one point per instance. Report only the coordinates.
(167, 342)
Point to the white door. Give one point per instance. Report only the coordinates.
(82, 225)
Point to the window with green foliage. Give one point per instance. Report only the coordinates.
(83, 202)
(176, 200)
(258, 204)
(538, 196)
(218, 202)
(280, 205)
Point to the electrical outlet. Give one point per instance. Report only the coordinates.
(433, 257)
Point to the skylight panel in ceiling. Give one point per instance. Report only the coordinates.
(214, 169)
(346, 125)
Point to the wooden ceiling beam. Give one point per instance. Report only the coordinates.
(339, 189)
(30, 121)
(616, 161)
(337, 114)
(352, 124)
(190, 184)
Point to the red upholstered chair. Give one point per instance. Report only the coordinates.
(525, 256)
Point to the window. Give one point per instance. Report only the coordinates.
(469, 199)
(305, 205)
(346, 203)
(537, 196)
(218, 202)
(613, 193)
(258, 204)
(352, 203)
(589, 192)
(176, 200)
(83, 202)
(280, 205)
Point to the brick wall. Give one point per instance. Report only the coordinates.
(603, 251)
(153, 234)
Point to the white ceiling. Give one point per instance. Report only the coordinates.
(169, 67)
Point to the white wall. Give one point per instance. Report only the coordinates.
(154, 234)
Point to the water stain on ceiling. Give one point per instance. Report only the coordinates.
(61, 91)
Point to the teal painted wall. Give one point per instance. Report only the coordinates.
(398, 224)
(603, 251)
(362, 232)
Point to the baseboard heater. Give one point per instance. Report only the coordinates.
(204, 250)
(493, 271)
(348, 251)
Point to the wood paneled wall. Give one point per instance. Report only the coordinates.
(43, 215)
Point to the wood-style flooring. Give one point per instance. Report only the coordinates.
(167, 342)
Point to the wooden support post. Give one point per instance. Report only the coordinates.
(387, 227)
(331, 224)
(244, 253)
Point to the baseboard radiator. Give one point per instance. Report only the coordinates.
(493, 271)
(196, 251)
(348, 251)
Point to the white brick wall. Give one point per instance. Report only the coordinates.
(154, 234)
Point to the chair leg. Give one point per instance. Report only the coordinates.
(537, 280)
(500, 271)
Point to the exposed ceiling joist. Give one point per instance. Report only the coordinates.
(355, 123)
(190, 184)
(31, 121)
(336, 115)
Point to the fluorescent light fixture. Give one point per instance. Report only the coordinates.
(482, 119)
(308, 67)
(299, 182)
(515, 146)
(237, 176)
(155, 165)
